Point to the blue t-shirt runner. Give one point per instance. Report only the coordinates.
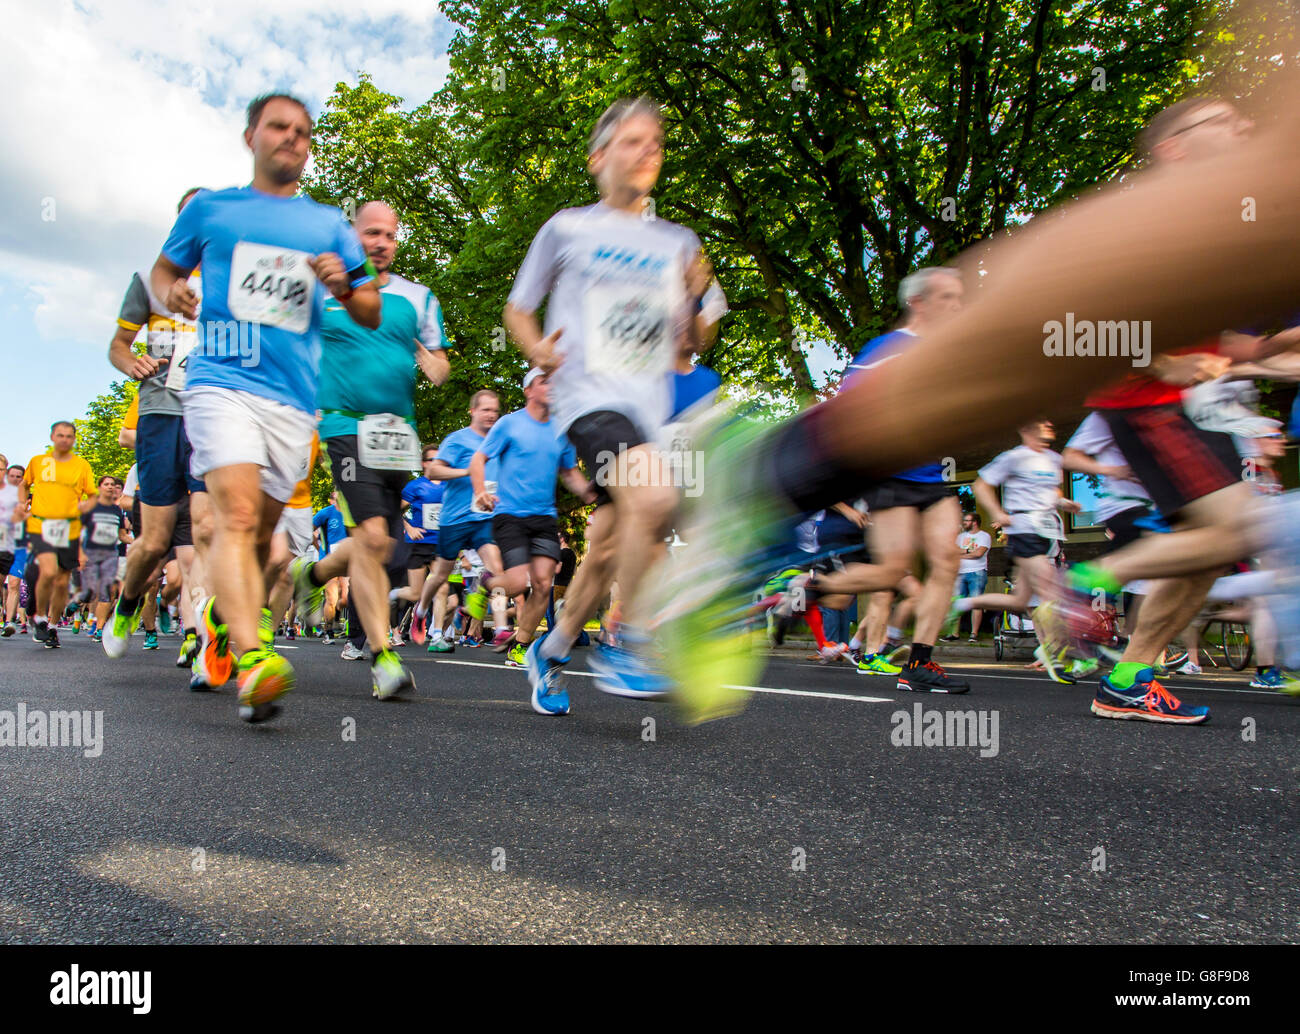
(424, 497)
(690, 388)
(259, 324)
(528, 457)
(334, 530)
(880, 350)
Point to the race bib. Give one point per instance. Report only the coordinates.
(271, 285)
(103, 533)
(184, 342)
(387, 442)
(429, 514)
(55, 533)
(628, 329)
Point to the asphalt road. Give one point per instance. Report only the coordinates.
(460, 816)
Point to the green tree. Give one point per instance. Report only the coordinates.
(97, 431)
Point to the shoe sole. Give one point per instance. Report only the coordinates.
(1134, 714)
(868, 671)
(956, 691)
(406, 685)
(534, 677)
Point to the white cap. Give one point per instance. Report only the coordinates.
(533, 374)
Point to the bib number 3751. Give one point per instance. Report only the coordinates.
(274, 286)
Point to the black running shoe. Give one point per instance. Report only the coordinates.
(930, 678)
(41, 631)
(52, 639)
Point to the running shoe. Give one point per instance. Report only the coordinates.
(164, 620)
(265, 628)
(1084, 667)
(832, 652)
(150, 641)
(549, 696)
(503, 637)
(949, 638)
(264, 677)
(622, 672)
(352, 653)
(874, 664)
(930, 678)
(395, 638)
(189, 650)
(1054, 671)
(1145, 701)
(419, 627)
(1191, 668)
(120, 628)
(516, 658)
(308, 599)
(8, 629)
(97, 636)
(388, 676)
(215, 663)
(52, 639)
(503, 644)
(470, 642)
(440, 644)
(476, 603)
(1269, 678)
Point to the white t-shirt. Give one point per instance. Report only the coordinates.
(1093, 438)
(616, 283)
(975, 540)
(132, 484)
(1031, 482)
(8, 503)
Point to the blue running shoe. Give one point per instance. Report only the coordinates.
(549, 696)
(1145, 701)
(624, 673)
(150, 641)
(1269, 678)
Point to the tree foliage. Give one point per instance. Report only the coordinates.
(97, 431)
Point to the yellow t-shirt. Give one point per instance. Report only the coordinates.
(302, 494)
(56, 489)
(132, 416)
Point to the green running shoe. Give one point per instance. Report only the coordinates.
(308, 599)
(874, 664)
(120, 628)
(437, 644)
(389, 677)
(264, 677)
(189, 650)
(265, 628)
(515, 658)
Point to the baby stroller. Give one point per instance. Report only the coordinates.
(1012, 630)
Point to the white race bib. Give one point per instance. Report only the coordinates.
(102, 533)
(184, 342)
(429, 514)
(55, 533)
(271, 285)
(387, 442)
(628, 329)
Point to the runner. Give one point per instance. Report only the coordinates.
(460, 525)
(291, 539)
(167, 497)
(250, 403)
(13, 555)
(525, 523)
(104, 527)
(626, 299)
(56, 490)
(423, 496)
(367, 399)
(758, 479)
(330, 534)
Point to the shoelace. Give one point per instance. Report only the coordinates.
(1158, 694)
(935, 667)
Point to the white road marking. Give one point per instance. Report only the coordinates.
(752, 689)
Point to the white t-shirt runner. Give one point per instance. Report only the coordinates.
(8, 503)
(1093, 438)
(974, 539)
(616, 283)
(1031, 482)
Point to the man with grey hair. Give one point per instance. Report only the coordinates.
(626, 292)
(915, 509)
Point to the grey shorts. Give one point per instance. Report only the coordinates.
(99, 573)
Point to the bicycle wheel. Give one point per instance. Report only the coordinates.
(1237, 647)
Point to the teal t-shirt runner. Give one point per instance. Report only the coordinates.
(366, 371)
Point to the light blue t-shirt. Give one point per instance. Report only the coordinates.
(528, 457)
(259, 323)
(879, 350)
(334, 530)
(373, 371)
(457, 450)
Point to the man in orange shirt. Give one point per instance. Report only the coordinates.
(57, 488)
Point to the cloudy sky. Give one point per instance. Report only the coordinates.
(120, 105)
(115, 108)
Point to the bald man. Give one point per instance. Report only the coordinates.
(369, 438)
